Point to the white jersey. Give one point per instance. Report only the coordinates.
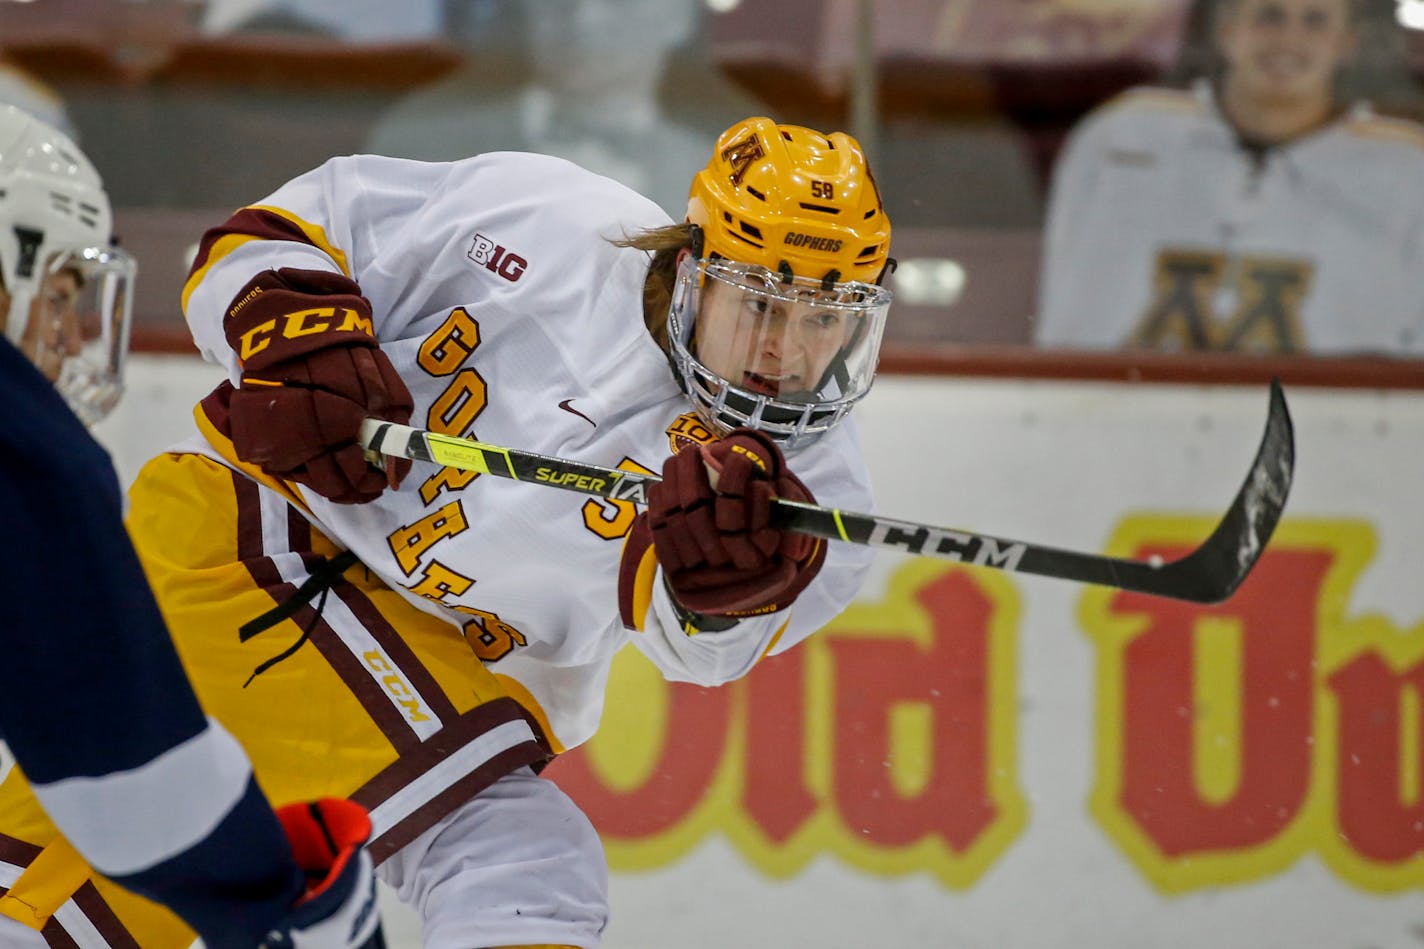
(1164, 232)
(501, 302)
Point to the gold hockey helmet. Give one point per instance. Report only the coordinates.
(777, 313)
(788, 197)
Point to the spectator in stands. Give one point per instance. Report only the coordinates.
(1254, 212)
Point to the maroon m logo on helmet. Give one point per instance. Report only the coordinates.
(741, 154)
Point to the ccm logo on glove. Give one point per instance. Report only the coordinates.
(288, 312)
(324, 319)
(312, 371)
(751, 455)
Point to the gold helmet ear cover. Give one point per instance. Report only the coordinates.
(788, 197)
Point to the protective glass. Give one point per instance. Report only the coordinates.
(76, 326)
(786, 355)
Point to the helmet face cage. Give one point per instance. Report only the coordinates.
(794, 239)
(786, 355)
(69, 294)
(77, 330)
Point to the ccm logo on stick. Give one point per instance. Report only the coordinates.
(984, 551)
(494, 258)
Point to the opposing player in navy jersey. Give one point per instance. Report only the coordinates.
(94, 702)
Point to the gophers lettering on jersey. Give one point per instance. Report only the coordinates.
(412, 543)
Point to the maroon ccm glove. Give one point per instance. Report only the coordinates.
(717, 548)
(311, 372)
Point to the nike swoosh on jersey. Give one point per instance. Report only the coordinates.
(569, 408)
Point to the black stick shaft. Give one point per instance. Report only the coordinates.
(1208, 574)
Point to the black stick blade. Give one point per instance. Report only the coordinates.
(1209, 574)
(1214, 570)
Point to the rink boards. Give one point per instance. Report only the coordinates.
(969, 757)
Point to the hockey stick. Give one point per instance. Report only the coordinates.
(1208, 574)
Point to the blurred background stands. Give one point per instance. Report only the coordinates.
(192, 109)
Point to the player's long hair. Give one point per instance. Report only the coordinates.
(665, 243)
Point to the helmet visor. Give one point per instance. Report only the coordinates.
(76, 326)
(785, 355)
(794, 340)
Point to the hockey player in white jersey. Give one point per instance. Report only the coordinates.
(1253, 213)
(421, 641)
(93, 700)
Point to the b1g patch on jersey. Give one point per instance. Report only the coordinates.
(496, 258)
(689, 429)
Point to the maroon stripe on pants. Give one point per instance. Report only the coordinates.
(447, 742)
(416, 758)
(299, 532)
(399, 651)
(87, 899)
(429, 814)
(102, 918)
(343, 662)
(56, 937)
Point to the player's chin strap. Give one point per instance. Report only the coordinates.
(322, 578)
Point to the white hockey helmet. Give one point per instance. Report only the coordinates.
(67, 295)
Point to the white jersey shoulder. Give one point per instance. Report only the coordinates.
(1144, 113)
(1365, 124)
(1366, 145)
